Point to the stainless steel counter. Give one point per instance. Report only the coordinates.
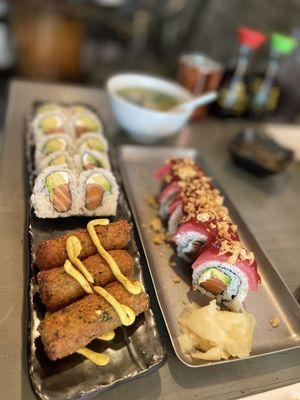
(270, 207)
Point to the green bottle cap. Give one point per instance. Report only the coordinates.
(283, 44)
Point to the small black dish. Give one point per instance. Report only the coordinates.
(258, 153)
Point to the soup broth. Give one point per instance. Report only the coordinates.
(149, 98)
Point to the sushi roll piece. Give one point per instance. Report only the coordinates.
(55, 193)
(50, 123)
(89, 159)
(99, 192)
(92, 141)
(218, 276)
(190, 238)
(167, 196)
(85, 122)
(178, 169)
(60, 158)
(175, 213)
(48, 107)
(52, 144)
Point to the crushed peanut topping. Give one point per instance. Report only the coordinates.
(274, 322)
(151, 201)
(156, 225)
(159, 238)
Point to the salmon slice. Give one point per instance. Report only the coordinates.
(214, 285)
(90, 166)
(80, 129)
(57, 129)
(62, 198)
(94, 196)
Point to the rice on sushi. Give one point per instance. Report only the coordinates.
(98, 192)
(55, 193)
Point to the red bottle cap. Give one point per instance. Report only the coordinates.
(249, 37)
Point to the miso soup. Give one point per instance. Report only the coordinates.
(149, 98)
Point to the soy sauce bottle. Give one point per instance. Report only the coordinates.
(263, 91)
(233, 96)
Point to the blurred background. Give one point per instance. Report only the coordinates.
(85, 41)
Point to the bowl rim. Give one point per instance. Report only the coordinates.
(186, 93)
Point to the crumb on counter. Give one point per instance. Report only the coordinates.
(151, 201)
(274, 322)
(156, 225)
(159, 238)
(176, 279)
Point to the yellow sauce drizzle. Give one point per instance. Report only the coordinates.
(131, 287)
(97, 358)
(125, 313)
(69, 269)
(107, 336)
(73, 247)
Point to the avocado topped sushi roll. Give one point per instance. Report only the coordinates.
(51, 123)
(92, 141)
(88, 159)
(84, 122)
(54, 193)
(99, 192)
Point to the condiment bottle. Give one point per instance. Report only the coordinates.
(264, 93)
(233, 97)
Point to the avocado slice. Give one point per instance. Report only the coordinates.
(215, 273)
(101, 181)
(53, 180)
(49, 122)
(53, 145)
(95, 144)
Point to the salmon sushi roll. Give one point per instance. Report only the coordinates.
(51, 123)
(60, 158)
(55, 193)
(49, 107)
(52, 144)
(89, 159)
(85, 122)
(92, 141)
(99, 192)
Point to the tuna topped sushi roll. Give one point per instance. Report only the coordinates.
(190, 237)
(226, 276)
(85, 122)
(99, 192)
(92, 141)
(178, 169)
(89, 159)
(166, 197)
(52, 144)
(54, 193)
(45, 124)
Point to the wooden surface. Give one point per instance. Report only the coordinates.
(269, 206)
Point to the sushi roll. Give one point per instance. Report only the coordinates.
(52, 144)
(55, 193)
(190, 238)
(60, 158)
(85, 122)
(167, 196)
(175, 214)
(92, 141)
(48, 107)
(89, 159)
(50, 123)
(218, 276)
(99, 192)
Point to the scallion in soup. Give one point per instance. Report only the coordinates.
(149, 98)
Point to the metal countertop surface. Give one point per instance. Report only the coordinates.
(270, 207)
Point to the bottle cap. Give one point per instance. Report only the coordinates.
(250, 38)
(283, 44)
